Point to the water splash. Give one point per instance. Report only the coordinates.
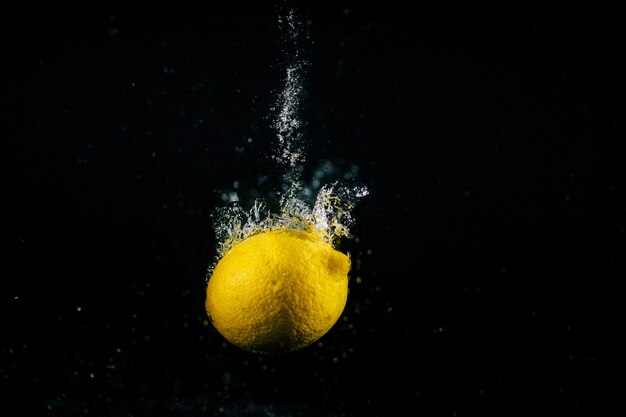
(329, 217)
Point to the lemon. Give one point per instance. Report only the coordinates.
(278, 291)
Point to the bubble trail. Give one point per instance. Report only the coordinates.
(330, 216)
(290, 149)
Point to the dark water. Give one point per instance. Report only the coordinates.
(491, 145)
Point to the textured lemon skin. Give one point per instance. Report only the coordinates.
(278, 291)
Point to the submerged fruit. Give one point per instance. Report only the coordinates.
(278, 291)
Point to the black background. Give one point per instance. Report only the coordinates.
(491, 142)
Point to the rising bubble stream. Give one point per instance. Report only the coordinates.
(329, 216)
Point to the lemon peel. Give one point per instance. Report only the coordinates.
(278, 291)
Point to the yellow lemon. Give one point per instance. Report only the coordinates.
(278, 291)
